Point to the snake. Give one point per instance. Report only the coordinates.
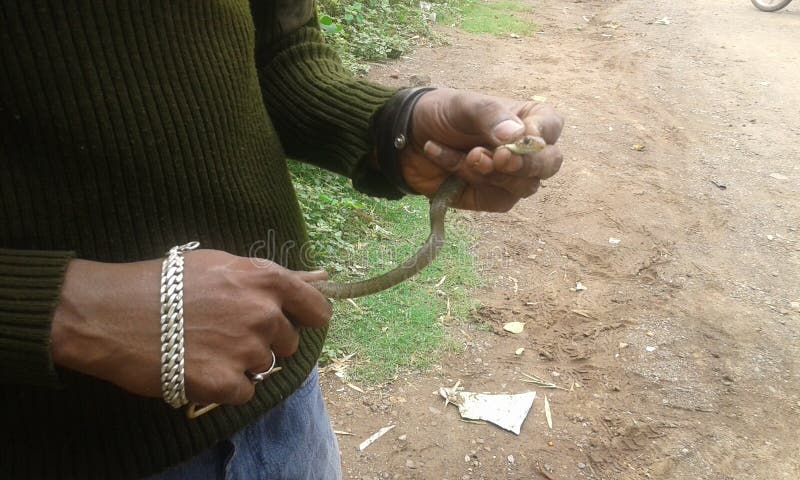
(449, 191)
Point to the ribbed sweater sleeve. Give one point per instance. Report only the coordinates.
(321, 112)
(30, 283)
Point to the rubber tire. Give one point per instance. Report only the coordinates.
(770, 8)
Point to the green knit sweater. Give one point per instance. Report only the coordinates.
(127, 127)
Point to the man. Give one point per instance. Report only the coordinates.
(132, 127)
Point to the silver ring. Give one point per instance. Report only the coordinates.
(259, 377)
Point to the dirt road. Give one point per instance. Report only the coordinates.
(706, 269)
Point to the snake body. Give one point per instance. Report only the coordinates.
(448, 192)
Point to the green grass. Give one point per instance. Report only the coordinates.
(356, 237)
(494, 17)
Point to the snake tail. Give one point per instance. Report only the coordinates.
(446, 194)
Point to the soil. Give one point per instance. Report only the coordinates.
(705, 271)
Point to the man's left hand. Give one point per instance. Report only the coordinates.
(456, 133)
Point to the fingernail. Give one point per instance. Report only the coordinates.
(507, 130)
(433, 149)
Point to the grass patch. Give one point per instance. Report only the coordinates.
(372, 30)
(356, 237)
(493, 17)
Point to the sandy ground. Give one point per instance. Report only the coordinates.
(705, 271)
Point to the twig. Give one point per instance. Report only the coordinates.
(547, 412)
(366, 443)
(357, 389)
(538, 381)
(476, 422)
(355, 305)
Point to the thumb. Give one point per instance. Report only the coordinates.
(505, 129)
(493, 119)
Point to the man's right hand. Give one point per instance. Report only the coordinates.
(235, 312)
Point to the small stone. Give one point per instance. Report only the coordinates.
(410, 464)
(519, 351)
(650, 349)
(479, 440)
(622, 345)
(421, 80)
(466, 458)
(649, 334)
(403, 437)
(581, 466)
(550, 443)
(795, 305)
(511, 459)
(770, 237)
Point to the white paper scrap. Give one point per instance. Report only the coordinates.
(504, 410)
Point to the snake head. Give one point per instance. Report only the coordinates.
(525, 145)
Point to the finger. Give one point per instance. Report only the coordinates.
(546, 163)
(505, 161)
(543, 121)
(517, 187)
(476, 161)
(222, 386)
(239, 392)
(313, 276)
(543, 164)
(265, 366)
(487, 198)
(278, 333)
(302, 302)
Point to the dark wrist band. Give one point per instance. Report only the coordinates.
(391, 133)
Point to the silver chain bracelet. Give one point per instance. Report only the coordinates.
(173, 387)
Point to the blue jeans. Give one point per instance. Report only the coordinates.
(293, 441)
